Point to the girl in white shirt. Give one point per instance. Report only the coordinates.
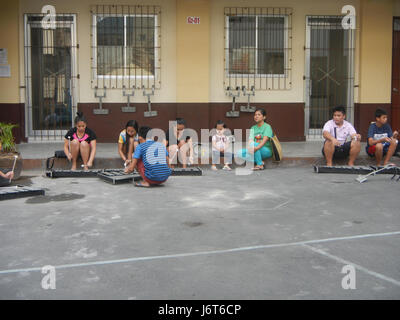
(220, 146)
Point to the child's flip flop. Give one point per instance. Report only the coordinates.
(139, 184)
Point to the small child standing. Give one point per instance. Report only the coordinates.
(382, 142)
(220, 145)
(151, 160)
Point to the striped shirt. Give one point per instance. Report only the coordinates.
(154, 157)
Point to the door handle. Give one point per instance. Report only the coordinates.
(395, 90)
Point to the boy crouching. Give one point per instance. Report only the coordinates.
(150, 159)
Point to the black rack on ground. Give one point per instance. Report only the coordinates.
(7, 193)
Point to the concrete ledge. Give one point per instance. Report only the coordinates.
(295, 154)
(107, 163)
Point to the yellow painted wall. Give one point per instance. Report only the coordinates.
(9, 87)
(396, 8)
(193, 51)
(192, 56)
(167, 93)
(301, 9)
(376, 51)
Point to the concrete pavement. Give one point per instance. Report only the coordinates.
(283, 233)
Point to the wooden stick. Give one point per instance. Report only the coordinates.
(15, 160)
(69, 147)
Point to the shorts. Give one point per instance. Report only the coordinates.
(372, 149)
(142, 171)
(341, 152)
(4, 182)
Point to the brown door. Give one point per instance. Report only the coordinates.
(396, 76)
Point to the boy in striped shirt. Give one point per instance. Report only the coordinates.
(150, 159)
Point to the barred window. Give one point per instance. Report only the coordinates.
(126, 48)
(258, 45)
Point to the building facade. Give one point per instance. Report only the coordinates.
(202, 60)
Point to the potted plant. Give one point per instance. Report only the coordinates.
(8, 150)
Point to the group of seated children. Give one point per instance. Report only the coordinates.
(133, 142)
(133, 145)
(341, 141)
(382, 143)
(81, 141)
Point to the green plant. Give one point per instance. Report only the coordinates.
(6, 137)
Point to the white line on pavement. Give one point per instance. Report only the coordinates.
(200, 253)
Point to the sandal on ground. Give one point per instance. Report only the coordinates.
(258, 168)
(390, 164)
(139, 184)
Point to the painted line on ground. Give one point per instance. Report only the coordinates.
(201, 253)
(357, 266)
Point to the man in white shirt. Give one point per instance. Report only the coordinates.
(336, 132)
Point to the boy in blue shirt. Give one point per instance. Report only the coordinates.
(381, 141)
(150, 159)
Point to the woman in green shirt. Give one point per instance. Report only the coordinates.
(260, 135)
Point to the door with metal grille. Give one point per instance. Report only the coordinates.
(329, 71)
(396, 75)
(50, 76)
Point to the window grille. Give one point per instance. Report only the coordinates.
(125, 46)
(50, 75)
(329, 71)
(258, 48)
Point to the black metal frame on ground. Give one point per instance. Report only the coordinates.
(114, 176)
(7, 193)
(195, 171)
(356, 169)
(61, 173)
(118, 176)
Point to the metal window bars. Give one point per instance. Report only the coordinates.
(329, 71)
(50, 76)
(258, 48)
(126, 46)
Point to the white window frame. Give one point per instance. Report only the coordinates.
(125, 76)
(285, 49)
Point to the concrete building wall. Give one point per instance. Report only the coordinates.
(81, 8)
(192, 63)
(301, 9)
(8, 35)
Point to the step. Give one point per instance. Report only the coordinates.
(295, 154)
